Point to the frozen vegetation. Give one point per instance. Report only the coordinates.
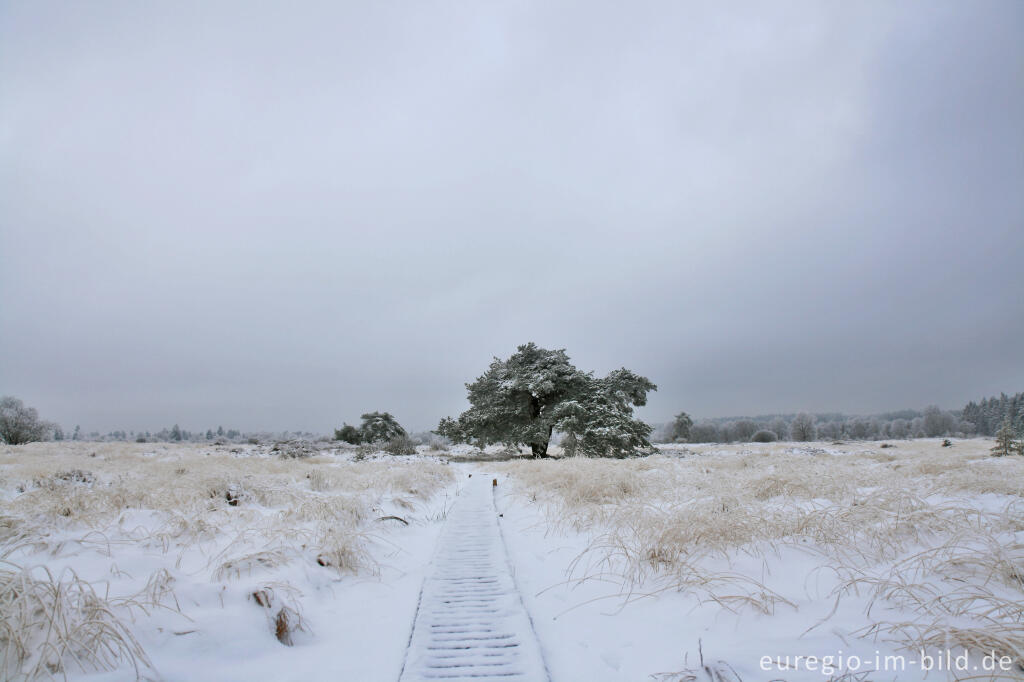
(732, 553)
(192, 562)
(200, 562)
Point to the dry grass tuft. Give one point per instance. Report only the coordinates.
(719, 671)
(286, 622)
(265, 560)
(344, 551)
(262, 597)
(53, 624)
(287, 619)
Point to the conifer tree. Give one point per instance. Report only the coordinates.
(379, 426)
(523, 400)
(1005, 444)
(681, 427)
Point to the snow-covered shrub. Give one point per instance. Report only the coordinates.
(21, 424)
(400, 445)
(348, 434)
(364, 450)
(295, 449)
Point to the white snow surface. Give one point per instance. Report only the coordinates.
(360, 626)
(470, 622)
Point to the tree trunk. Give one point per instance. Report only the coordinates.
(538, 449)
(541, 449)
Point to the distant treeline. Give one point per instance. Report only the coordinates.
(982, 418)
(990, 414)
(176, 434)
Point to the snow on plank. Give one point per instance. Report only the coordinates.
(471, 623)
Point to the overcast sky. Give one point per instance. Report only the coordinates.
(281, 215)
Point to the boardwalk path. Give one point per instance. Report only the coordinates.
(470, 623)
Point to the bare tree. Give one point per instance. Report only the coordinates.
(20, 424)
(936, 422)
(802, 427)
(829, 431)
(857, 428)
(917, 427)
(705, 432)
(743, 429)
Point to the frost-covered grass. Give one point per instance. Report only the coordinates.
(927, 541)
(99, 539)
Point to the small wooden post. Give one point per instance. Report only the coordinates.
(494, 483)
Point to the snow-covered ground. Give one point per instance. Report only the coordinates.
(852, 557)
(155, 559)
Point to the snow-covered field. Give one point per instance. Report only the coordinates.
(187, 562)
(184, 562)
(741, 552)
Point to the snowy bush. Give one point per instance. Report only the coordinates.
(379, 427)
(20, 424)
(400, 445)
(348, 434)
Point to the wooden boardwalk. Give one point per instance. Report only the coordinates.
(471, 623)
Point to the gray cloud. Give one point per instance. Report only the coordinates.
(278, 217)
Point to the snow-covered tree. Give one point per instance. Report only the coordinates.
(20, 424)
(704, 432)
(779, 427)
(802, 427)
(526, 398)
(379, 427)
(681, 426)
(599, 422)
(828, 431)
(937, 422)
(743, 429)
(1005, 443)
(857, 428)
